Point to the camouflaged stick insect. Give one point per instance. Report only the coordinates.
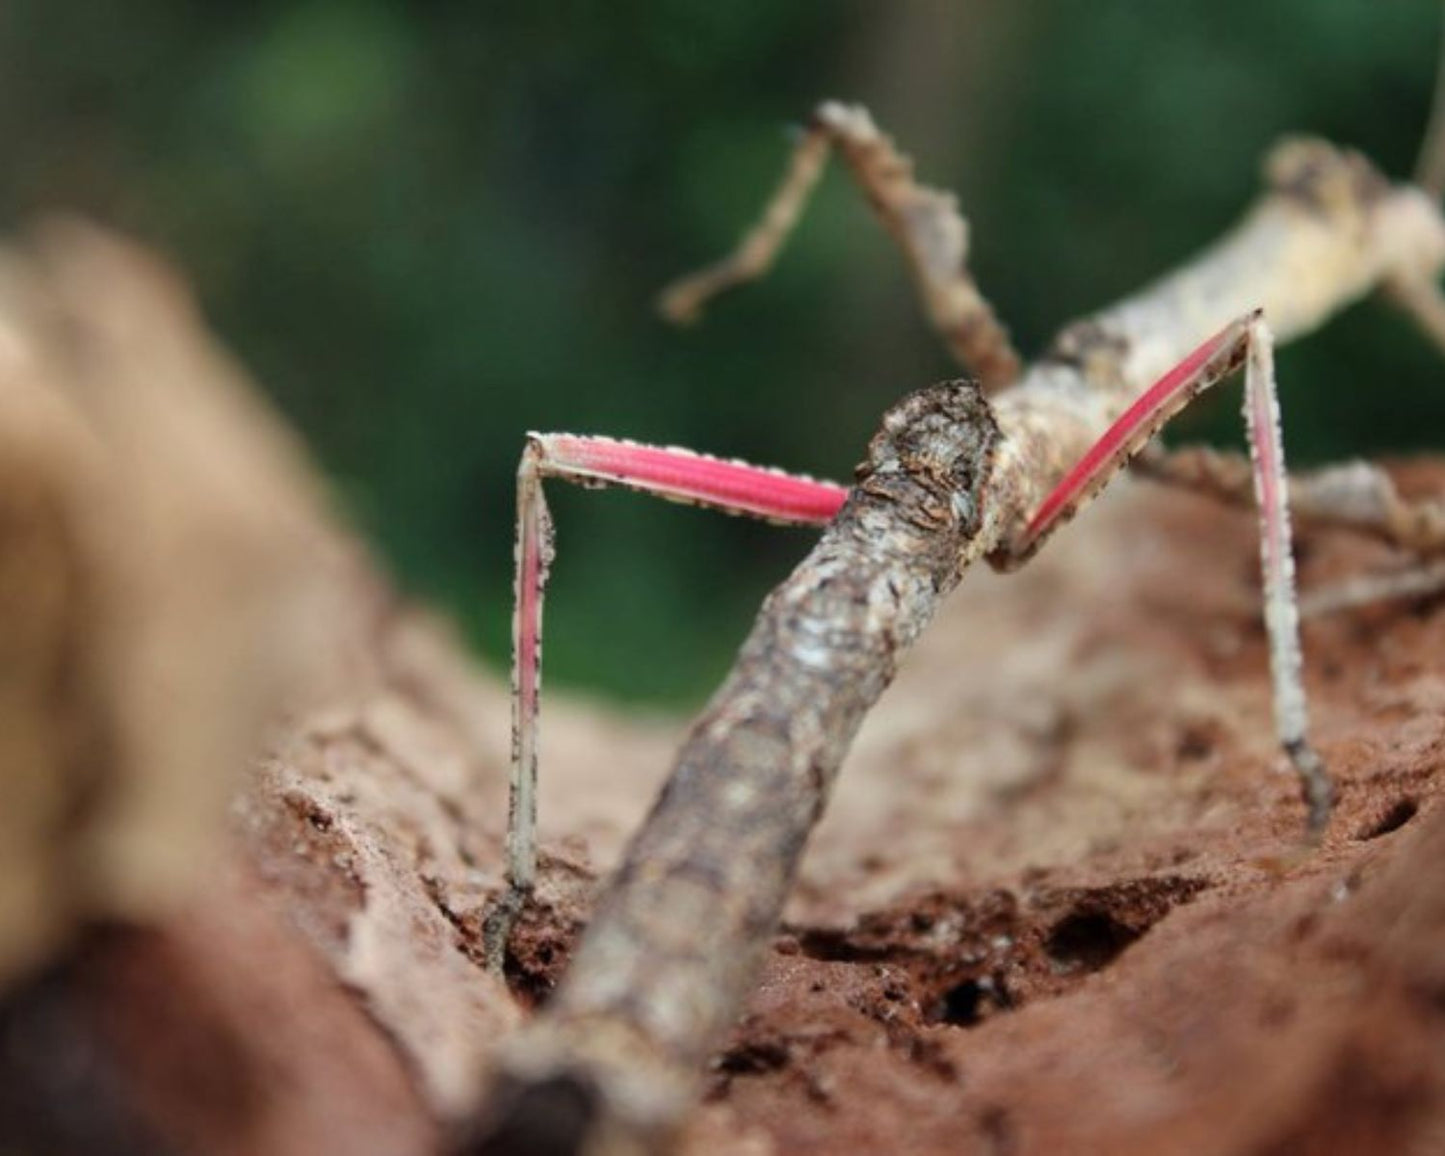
(613, 1062)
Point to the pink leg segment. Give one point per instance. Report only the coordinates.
(683, 476)
(1246, 340)
(1142, 420)
(677, 474)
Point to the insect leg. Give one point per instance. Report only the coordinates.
(1356, 495)
(683, 301)
(1417, 581)
(1246, 340)
(675, 474)
(924, 222)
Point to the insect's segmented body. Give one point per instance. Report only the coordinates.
(953, 477)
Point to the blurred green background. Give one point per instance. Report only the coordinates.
(428, 227)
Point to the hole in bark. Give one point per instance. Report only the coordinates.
(537, 953)
(531, 974)
(1396, 817)
(961, 1005)
(1088, 940)
(830, 946)
(998, 1131)
(1195, 743)
(754, 1059)
(549, 1118)
(967, 1004)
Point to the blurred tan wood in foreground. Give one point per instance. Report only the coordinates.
(158, 541)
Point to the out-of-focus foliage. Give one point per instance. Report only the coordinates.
(429, 227)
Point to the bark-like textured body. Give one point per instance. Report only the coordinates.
(674, 945)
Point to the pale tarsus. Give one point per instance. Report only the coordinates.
(951, 478)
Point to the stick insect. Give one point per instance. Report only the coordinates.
(958, 474)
